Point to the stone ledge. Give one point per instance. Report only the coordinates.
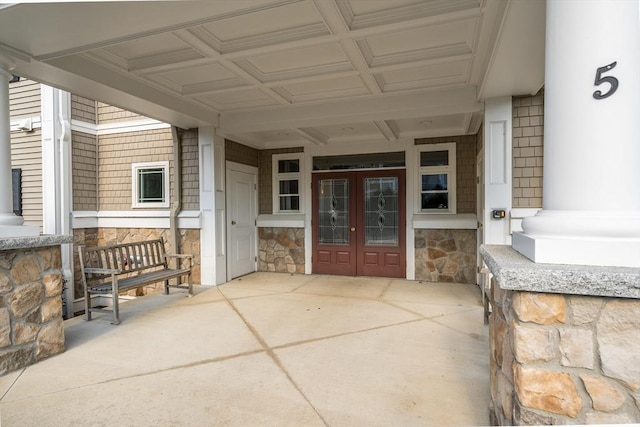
(34, 242)
(513, 271)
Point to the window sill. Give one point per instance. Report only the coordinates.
(281, 220)
(445, 221)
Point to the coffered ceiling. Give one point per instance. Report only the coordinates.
(277, 73)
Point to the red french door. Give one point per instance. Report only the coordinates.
(358, 223)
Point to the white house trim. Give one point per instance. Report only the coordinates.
(117, 127)
(134, 219)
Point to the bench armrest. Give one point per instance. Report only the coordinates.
(101, 270)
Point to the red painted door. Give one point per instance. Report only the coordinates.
(359, 223)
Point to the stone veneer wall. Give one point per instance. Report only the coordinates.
(31, 325)
(281, 249)
(563, 359)
(446, 255)
(91, 237)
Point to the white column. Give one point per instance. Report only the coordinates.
(10, 224)
(591, 200)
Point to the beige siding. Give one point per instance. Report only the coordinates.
(265, 199)
(84, 172)
(238, 153)
(190, 171)
(528, 138)
(465, 169)
(110, 114)
(83, 109)
(26, 154)
(24, 99)
(117, 152)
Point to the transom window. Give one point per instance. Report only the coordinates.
(287, 186)
(150, 183)
(437, 178)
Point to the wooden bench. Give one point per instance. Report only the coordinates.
(117, 268)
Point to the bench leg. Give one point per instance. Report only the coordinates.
(116, 302)
(190, 284)
(87, 306)
(166, 287)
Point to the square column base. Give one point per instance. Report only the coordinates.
(584, 251)
(10, 231)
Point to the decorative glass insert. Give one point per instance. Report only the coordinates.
(289, 196)
(150, 185)
(359, 161)
(435, 193)
(381, 211)
(434, 158)
(333, 212)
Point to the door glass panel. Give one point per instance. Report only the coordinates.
(333, 212)
(381, 211)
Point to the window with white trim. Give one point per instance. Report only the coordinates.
(436, 178)
(150, 184)
(287, 183)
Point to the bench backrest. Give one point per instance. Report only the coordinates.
(126, 257)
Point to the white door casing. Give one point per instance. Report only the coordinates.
(241, 214)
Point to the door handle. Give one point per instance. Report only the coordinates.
(233, 223)
(353, 229)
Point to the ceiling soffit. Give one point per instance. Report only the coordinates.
(263, 59)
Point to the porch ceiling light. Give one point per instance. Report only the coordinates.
(426, 122)
(347, 128)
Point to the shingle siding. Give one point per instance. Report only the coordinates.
(190, 171)
(85, 177)
(528, 141)
(83, 109)
(238, 153)
(117, 152)
(109, 114)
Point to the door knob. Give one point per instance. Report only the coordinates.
(353, 229)
(233, 223)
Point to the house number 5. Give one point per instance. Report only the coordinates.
(606, 79)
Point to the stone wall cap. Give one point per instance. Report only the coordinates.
(34, 242)
(513, 271)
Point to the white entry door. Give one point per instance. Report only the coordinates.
(241, 220)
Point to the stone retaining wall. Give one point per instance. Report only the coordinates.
(281, 249)
(446, 256)
(564, 359)
(31, 325)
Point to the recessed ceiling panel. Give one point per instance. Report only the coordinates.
(334, 88)
(428, 42)
(432, 75)
(245, 98)
(148, 46)
(195, 75)
(269, 20)
(296, 63)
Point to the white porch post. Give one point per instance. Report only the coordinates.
(591, 203)
(10, 224)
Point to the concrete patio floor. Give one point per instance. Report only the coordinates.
(268, 349)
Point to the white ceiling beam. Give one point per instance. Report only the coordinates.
(388, 128)
(386, 107)
(312, 135)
